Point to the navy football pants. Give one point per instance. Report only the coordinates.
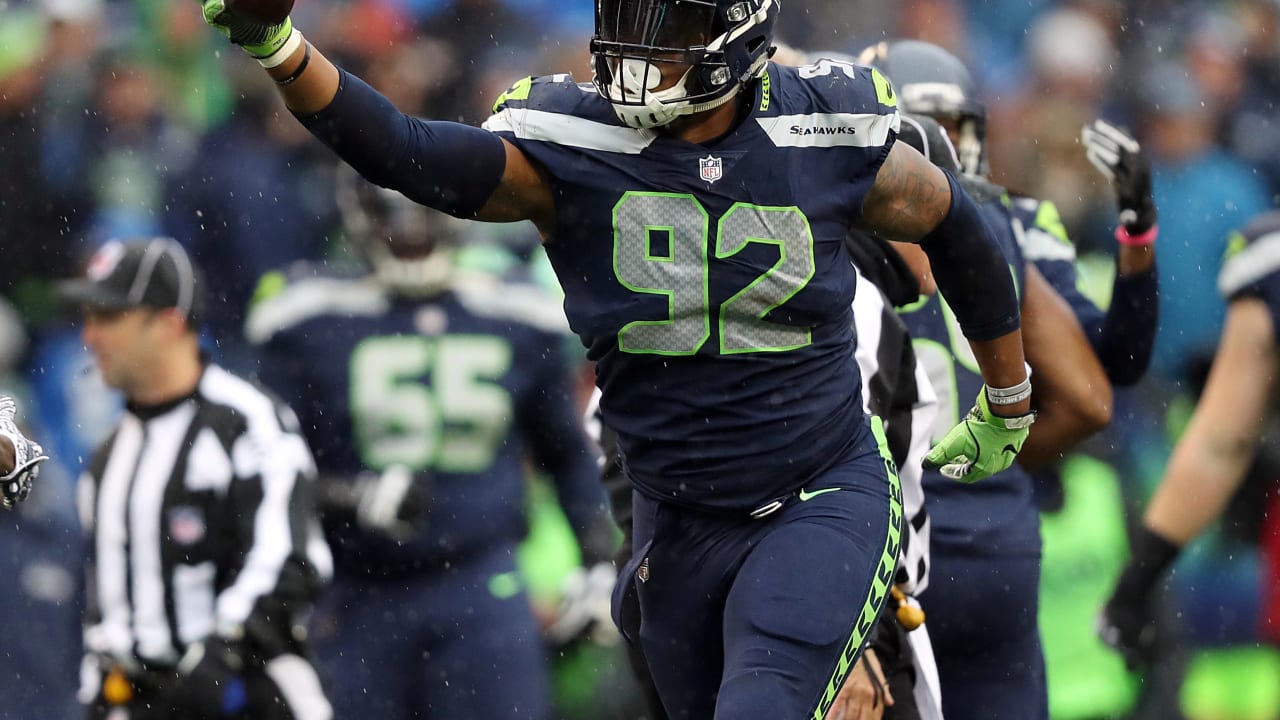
(453, 643)
(982, 621)
(748, 619)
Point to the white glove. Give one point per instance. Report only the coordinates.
(585, 606)
(16, 485)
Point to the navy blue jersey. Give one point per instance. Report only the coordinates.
(996, 515)
(460, 387)
(710, 282)
(1251, 267)
(1044, 242)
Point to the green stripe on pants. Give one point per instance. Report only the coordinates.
(879, 584)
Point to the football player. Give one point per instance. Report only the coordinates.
(694, 204)
(994, 524)
(989, 658)
(422, 389)
(934, 83)
(1216, 449)
(20, 458)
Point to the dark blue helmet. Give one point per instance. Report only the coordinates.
(719, 45)
(408, 246)
(931, 81)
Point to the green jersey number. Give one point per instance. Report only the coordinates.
(455, 422)
(660, 247)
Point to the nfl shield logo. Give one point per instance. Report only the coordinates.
(710, 168)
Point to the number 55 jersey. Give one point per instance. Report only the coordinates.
(709, 281)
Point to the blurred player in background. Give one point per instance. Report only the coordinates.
(1219, 445)
(425, 389)
(205, 549)
(992, 665)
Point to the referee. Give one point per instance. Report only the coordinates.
(205, 551)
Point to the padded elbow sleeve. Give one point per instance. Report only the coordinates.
(448, 166)
(971, 270)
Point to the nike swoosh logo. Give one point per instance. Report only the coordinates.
(805, 495)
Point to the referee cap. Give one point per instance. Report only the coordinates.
(150, 272)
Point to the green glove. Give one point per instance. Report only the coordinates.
(982, 444)
(260, 41)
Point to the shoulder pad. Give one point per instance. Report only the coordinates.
(827, 104)
(527, 304)
(1253, 254)
(290, 304)
(557, 110)
(1043, 235)
(840, 86)
(559, 94)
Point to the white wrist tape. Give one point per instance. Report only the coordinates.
(285, 51)
(1011, 395)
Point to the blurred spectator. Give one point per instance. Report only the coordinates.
(1034, 133)
(253, 198)
(1204, 193)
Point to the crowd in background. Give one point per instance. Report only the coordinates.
(120, 119)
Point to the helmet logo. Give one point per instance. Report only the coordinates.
(710, 169)
(738, 12)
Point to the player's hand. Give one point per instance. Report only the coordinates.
(1127, 622)
(1127, 626)
(982, 445)
(393, 502)
(210, 684)
(16, 485)
(584, 607)
(257, 39)
(865, 693)
(1120, 158)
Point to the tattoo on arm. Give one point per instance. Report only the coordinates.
(909, 198)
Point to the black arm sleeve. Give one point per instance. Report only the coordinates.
(1129, 331)
(448, 166)
(971, 270)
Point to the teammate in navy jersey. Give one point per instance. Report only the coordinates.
(694, 205)
(423, 389)
(934, 83)
(1219, 444)
(984, 543)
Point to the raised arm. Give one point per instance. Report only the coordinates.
(462, 170)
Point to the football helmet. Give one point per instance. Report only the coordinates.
(717, 46)
(408, 246)
(931, 81)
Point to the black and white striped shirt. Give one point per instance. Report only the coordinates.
(202, 521)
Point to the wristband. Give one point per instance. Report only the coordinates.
(297, 72)
(1145, 239)
(284, 52)
(1011, 395)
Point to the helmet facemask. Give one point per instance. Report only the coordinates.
(931, 81)
(716, 47)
